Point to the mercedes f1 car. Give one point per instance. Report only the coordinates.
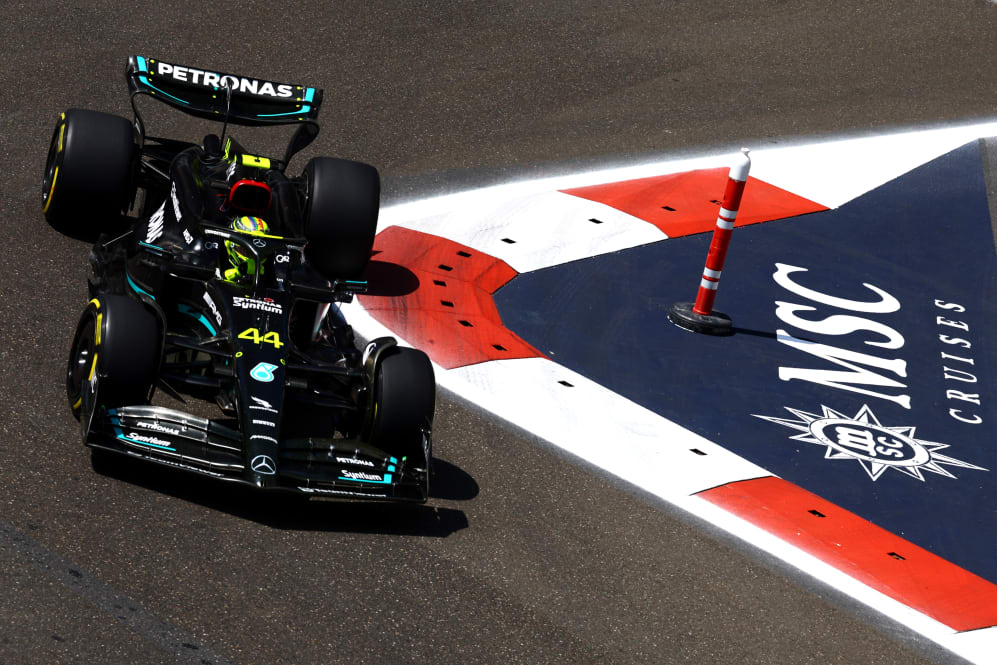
(218, 277)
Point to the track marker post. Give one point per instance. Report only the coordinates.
(699, 316)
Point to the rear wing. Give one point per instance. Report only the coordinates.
(201, 92)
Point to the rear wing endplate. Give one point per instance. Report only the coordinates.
(201, 92)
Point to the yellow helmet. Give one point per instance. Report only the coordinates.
(249, 225)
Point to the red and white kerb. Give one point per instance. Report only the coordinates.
(721, 235)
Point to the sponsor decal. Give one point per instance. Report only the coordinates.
(323, 490)
(353, 460)
(263, 465)
(263, 305)
(264, 422)
(282, 258)
(262, 405)
(259, 242)
(213, 307)
(215, 80)
(155, 228)
(367, 351)
(145, 438)
(189, 467)
(187, 237)
(361, 475)
(176, 206)
(159, 428)
(878, 374)
(263, 372)
(264, 438)
(953, 334)
(863, 438)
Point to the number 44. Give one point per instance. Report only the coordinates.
(253, 334)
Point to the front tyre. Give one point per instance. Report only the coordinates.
(343, 200)
(114, 360)
(89, 171)
(404, 404)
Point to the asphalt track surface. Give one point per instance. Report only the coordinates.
(522, 555)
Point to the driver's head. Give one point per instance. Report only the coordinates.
(237, 256)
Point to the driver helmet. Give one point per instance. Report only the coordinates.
(248, 225)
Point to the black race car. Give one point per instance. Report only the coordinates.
(217, 277)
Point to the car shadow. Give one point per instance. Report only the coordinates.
(296, 512)
(389, 279)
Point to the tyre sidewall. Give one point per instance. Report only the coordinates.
(343, 201)
(404, 403)
(95, 173)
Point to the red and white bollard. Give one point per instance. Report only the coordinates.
(700, 317)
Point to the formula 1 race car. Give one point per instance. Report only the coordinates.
(224, 285)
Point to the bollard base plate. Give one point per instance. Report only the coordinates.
(717, 323)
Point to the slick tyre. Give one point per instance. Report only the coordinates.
(404, 403)
(342, 203)
(88, 177)
(115, 355)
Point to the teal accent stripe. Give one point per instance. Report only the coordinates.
(309, 94)
(386, 481)
(145, 244)
(190, 311)
(142, 443)
(145, 80)
(137, 288)
(121, 435)
(304, 109)
(141, 64)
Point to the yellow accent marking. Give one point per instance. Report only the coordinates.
(238, 354)
(48, 201)
(257, 234)
(253, 160)
(253, 335)
(77, 403)
(93, 368)
(94, 302)
(228, 144)
(100, 317)
(62, 132)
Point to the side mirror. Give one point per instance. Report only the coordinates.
(303, 136)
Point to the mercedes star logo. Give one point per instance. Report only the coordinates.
(264, 465)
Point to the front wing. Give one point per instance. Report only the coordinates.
(343, 468)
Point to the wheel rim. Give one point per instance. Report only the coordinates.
(50, 165)
(82, 363)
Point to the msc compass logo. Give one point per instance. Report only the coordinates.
(874, 446)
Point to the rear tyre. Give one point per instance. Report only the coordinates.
(89, 172)
(404, 403)
(114, 360)
(343, 200)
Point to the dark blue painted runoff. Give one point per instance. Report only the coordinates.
(922, 237)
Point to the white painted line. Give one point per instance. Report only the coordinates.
(836, 172)
(830, 173)
(537, 230)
